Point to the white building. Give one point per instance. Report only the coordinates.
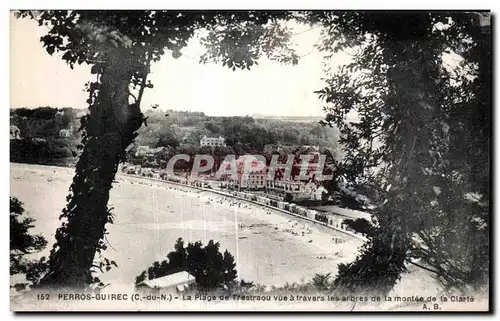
(153, 151)
(59, 113)
(298, 190)
(66, 132)
(39, 140)
(213, 141)
(146, 151)
(15, 133)
(179, 281)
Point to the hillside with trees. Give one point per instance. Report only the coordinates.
(40, 140)
(178, 131)
(183, 128)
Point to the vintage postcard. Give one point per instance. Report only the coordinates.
(250, 160)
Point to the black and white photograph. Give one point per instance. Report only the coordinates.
(250, 160)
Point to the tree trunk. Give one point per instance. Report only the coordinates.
(110, 127)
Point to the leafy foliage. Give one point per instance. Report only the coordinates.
(40, 152)
(360, 225)
(377, 268)
(250, 132)
(168, 139)
(420, 145)
(210, 267)
(39, 130)
(23, 243)
(120, 47)
(416, 120)
(45, 113)
(322, 281)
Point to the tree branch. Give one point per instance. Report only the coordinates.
(425, 268)
(135, 98)
(143, 83)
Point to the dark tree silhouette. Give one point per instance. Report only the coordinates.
(418, 119)
(120, 46)
(23, 243)
(168, 139)
(422, 142)
(210, 267)
(360, 225)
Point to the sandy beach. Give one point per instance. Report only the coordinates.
(269, 247)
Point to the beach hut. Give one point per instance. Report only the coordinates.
(179, 281)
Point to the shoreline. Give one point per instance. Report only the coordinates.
(150, 215)
(150, 219)
(225, 194)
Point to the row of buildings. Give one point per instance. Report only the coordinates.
(146, 151)
(250, 174)
(256, 178)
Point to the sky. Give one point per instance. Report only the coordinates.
(272, 89)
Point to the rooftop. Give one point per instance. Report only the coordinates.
(170, 280)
